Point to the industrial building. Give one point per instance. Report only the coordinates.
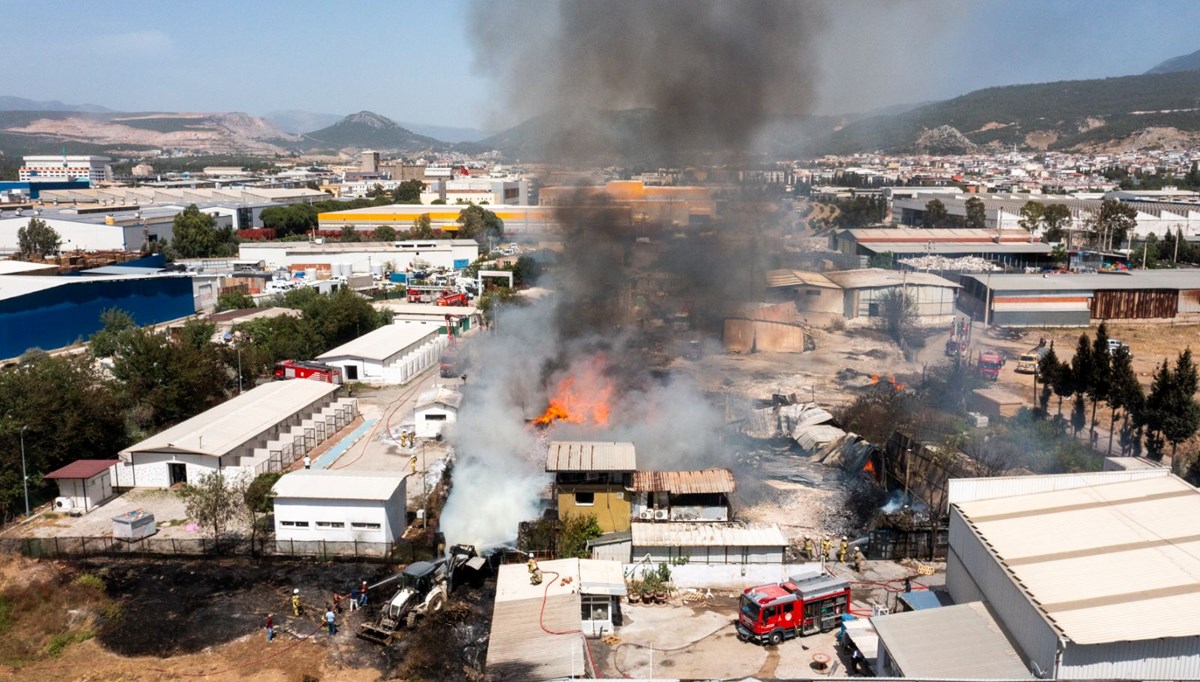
(855, 295)
(1003, 247)
(462, 318)
(518, 220)
(1077, 300)
(392, 354)
(593, 478)
(492, 191)
(435, 409)
(341, 507)
(239, 437)
(707, 543)
(1092, 576)
(366, 257)
(133, 231)
(640, 204)
(538, 630)
(64, 167)
(49, 312)
(951, 642)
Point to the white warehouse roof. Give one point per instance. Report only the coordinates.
(383, 343)
(324, 484)
(1103, 563)
(706, 535)
(225, 427)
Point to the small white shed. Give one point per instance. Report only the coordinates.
(436, 408)
(708, 543)
(83, 485)
(316, 508)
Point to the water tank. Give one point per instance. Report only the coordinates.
(310, 274)
(377, 269)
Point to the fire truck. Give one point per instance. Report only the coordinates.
(449, 298)
(988, 365)
(801, 606)
(298, 369)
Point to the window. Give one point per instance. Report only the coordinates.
(435, 417)
(812, 292)
(595, 607)
(330, 524)
(585, 499)
(294, 524)
(365, 526)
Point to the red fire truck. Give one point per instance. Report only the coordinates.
(989, 364)
(800, 606)
(450, 298)
(298, 369)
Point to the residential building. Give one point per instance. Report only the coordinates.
(370, 161)
(436, 408)
(83, 485)
(55, 167)
(392, 354)
(682, 495)
(324, 509)
(593, 478)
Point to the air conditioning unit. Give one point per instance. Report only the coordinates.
(661, 514)
(645, 514)
(63, 504)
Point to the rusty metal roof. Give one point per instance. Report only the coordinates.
(576, 455)
(795, 278)
(684, 482)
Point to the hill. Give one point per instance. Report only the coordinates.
(11, 103)
(1187, 62)
(299, 122)
(368, 130)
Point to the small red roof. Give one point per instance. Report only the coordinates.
(83, 468)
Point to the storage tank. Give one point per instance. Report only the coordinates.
(377, 269)
(310, 274)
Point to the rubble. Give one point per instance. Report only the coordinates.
(962, 264)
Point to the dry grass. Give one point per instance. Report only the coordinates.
(45, 607)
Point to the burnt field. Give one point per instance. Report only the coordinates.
(176, 607)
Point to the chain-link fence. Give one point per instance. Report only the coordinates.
(400, 551)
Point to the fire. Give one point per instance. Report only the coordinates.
(582, 397)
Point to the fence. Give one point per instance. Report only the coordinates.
(894, 545)
(400, 551)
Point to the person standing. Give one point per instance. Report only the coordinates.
(362, 599)
(810, 551)
(355, 595)
(826, 549)
(270, 628)
(843, 550)
(859, 559)
(296, 602)
(307, 462)
(330, 617)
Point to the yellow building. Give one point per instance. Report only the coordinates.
(593, 478)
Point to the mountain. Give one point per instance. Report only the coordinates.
(299, 122)
(10, 103)
(450, 134)
(368, 130)
(1188, 62)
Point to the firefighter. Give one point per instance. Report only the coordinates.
(296, 602)
(810, 551)
(843, 550)
(412, 463)
(535, 573)
(858, 560)
(826, 549)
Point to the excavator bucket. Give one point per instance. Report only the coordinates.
(376, 634)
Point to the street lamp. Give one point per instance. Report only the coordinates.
(24, 475)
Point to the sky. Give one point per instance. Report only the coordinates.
(414, 60)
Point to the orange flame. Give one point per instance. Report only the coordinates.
(581, 397)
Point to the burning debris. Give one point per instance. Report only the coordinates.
(581, 396)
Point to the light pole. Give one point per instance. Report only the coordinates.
(24, 474)
(239, 354)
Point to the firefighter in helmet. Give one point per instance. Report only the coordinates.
(535, 573)
(843, 550)
(858, 560)
(826, 549)
(810, 551)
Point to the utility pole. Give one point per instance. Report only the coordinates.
(24, 473)
(239, 354)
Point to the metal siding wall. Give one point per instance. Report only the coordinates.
(617, 551)
(971, 489)
(1030, 318)
(1135, 304)
(1176, 658)
(1189, 301)
(1022, 621)
(959, 582)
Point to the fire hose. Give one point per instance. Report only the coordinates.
(541, 623)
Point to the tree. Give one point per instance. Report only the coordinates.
(1031, 217)
(213, 504)
(1114, 223)
(1180, 416)
(258, 501)
(349, 234)
(976, 214)
(897, 313)
(1056, 218)
(197, 334)
(1063, 382)
(479, 224)
(573, 534)
(38, 239)
(384, 233)
(1048, 367)
(408, 192)
(166, 381)
(526, 271)
(935, 213)
(422, 227)
(1125, 392)
(113, 323)
(234, 300)
(196, 235)
(1078, 414)
(1153, 414)
(1101, 371)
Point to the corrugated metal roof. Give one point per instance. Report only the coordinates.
(815, 436)
(793, 278)
(83, 468)
(12, 286)
(706, 535)
(13, 267)
(1088, 282)
(324, 484)
(230, 424)
(877, 277)
(953, 642)
(384, 342)
(439, 396)
(1104, 563)
(576, 455)
(684, 482)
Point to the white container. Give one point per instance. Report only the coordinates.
(134, 525)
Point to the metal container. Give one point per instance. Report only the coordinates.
(134, 525)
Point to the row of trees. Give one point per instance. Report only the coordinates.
(1097, 373)
(1108, 228)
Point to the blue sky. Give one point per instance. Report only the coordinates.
(413, 60)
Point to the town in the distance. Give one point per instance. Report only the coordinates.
(681, 387)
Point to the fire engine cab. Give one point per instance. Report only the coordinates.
(298, 369)
(800, 606)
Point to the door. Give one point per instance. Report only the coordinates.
(352, 372)
(177, 472)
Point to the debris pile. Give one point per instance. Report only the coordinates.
(962, 264)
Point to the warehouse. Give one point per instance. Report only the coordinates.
(339, 507)
(463, 318)
(392, 354)
(708, 543)
(1093, 576)
(950, 642)
(856, 295)
(48, 312)
(518, 220)
(1077, 300)
(232, 437)
(1010, 247)
(365, 257)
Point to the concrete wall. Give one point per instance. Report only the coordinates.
(431, 420)
(151, 470)
(611, 508)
